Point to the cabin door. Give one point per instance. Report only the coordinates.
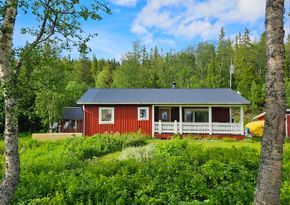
(165, 114)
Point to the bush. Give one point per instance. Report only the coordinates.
(181, 172)
(178, 171)
(50, 169)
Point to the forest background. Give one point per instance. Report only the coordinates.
(51, 81)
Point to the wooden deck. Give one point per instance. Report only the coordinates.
(54, 136)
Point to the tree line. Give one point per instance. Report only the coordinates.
(49, 82)
(206, 65)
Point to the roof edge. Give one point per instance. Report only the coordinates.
(127, 103)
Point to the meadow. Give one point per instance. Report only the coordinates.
(132, 169)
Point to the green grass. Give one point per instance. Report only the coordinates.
(130, 169)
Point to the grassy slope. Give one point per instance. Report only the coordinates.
(72, 170)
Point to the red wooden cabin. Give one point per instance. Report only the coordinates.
(161, 112)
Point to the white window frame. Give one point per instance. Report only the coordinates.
(193, 110)
(147, 113)
(100, 115)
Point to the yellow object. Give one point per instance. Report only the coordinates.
(256, 128)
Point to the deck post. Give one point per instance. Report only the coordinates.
(159, 126)
(153, 120)
(230, 113)
(180, 120)
(242, 120)
(210, 119)
(175, 127)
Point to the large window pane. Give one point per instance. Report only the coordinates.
(107, 115)
(195, 115)
(201, 116)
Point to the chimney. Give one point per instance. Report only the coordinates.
(174, 85)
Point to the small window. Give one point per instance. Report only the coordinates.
(143, 113)
(106, 115)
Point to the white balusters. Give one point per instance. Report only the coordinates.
(197, 127)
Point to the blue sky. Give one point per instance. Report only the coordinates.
(167, 24)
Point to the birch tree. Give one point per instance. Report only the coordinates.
(269, 177)
(58, 21)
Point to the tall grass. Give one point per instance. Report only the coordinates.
(50, 169)
(179, 171)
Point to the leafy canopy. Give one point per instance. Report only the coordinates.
(59, 21)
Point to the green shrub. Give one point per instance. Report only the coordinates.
(50, 169)
(285, 189)
(181, 172)
(178, 171)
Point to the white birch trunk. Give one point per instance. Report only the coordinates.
(12, 164)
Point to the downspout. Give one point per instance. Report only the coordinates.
(83, 132)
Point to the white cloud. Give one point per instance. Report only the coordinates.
(245, 11)
(129, 3)
(192, 18)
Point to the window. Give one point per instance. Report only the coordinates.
(201, 115)
(143, 113)
(165, 114)
(196, 115)
(188, 116)
(106, 115)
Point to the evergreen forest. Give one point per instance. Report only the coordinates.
(49, 81)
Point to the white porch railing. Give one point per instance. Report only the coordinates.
(197, 128)
(166, 127)
(226, 128)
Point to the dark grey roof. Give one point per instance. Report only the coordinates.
(219, 96)
(73, 113)
(212, 96)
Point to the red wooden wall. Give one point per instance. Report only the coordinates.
(288, 125)
(126, 120)
(220, 114)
